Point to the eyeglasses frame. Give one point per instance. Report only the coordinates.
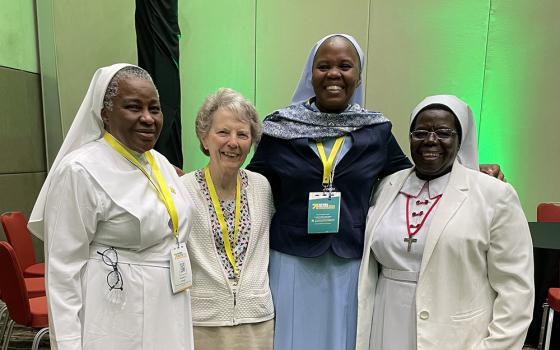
(429, 133)
(115, 270)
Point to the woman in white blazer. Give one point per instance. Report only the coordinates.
(447, 260)
(229, 243)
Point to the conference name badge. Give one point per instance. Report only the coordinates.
(323, 212)
(180, 269)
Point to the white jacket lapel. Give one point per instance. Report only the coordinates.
(453, 196)
(389, 188)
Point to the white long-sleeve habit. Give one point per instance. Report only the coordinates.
(98, 199)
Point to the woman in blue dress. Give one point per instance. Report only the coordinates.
(324, 145)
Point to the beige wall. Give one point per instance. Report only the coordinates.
(76, 38)
(22, 160)
(72, 39)
(101, 33)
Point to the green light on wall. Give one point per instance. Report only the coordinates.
(506, 72)
(217, 50)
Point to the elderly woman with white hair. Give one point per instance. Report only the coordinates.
(229, 243)
(447, 261)
(114, 217)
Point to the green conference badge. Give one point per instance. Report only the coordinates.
(323, 212)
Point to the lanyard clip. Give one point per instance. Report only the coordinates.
(328, 187)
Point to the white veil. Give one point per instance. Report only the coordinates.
(468, 152)
(304, 90)
(86, 127)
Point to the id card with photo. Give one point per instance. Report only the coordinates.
(180, 269)
(323, 212)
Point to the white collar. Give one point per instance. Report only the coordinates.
(140, 157)
(413, 185)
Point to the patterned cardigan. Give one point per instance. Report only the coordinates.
(214, 301)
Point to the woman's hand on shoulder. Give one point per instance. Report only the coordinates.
(493, 170)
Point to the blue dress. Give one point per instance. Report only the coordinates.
(307, 294)
(315, 300)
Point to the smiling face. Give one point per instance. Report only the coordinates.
(335, 75)
(228, 141)
(434, 157)
(135, 118)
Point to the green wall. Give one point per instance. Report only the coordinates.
(18, 38)
(441, 49)
(500, 56)
(217, 50)
(519, 126)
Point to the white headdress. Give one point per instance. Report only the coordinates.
(86, 127)
(304, 90)
(468, 151)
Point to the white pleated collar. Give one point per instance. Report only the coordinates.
(413, 185)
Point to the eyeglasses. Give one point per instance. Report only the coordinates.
(111, 258)
(441, 134)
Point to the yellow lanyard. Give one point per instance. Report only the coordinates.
(221, 219)
(328, 163)
(158, 183)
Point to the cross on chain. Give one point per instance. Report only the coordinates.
(409, 240)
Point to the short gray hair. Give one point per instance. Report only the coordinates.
(123, 74)
(232, 101)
